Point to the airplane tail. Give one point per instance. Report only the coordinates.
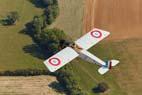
(109, 64)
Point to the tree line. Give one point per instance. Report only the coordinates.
(46, 39)
(25, 72)
(49, 40)
(69, 81)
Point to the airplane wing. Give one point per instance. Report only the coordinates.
(91, 38)
(60, 59)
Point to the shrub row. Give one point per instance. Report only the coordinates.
(26, 72)
(49, 40)
(69, 81)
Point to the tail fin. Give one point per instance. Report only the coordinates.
(102, 70)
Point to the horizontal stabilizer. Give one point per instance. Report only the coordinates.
(103, 70)
(114, 62)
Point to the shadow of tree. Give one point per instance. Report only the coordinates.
(37, 3)
(57, 87)
(100, 88)
(34, 50)
(1, 22)
(4, 22)
(25, 32)
(96, 90)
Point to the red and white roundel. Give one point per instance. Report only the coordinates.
(54, 61)
(96, 34)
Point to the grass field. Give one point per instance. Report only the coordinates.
(12, 55)
(71, 17)
(88, 71)
(124, 79)
(124, 23)
(12, 41)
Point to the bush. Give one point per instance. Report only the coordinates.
(43, 3)
(11, 18)
(36, 26)
(26, 72)
(49, 40)
(70, 82)
(51, 9)
(101, 88)
(51, 12)
(39, 23)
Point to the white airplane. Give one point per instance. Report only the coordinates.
(80, 48)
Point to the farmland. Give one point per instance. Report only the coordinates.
(14, 45)
(124, 23)
(12, 55)
(13, 42)
(71, 17)
(27, 85)
(123, 79)
(76, 18)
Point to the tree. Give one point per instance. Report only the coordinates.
(101, 87)
(37, 25)
(47, 2)
(51, 13)
(12, 17)
(69, 81)
(44, 3)
(51, 9)
(49, 40)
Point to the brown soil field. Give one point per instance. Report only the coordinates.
(36, 85)
(123, 18)
(129, 72)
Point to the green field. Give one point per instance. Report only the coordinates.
(71, 17)
(125, 79)
(12, 55)
(88, 71)
(12, 42)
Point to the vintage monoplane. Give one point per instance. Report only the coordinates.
(79, 49)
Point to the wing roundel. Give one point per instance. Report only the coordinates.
(91, 38)
(60, 59)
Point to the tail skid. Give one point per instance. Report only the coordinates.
(104, 69)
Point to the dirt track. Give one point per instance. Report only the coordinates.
(37, 85)
(123, 18)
